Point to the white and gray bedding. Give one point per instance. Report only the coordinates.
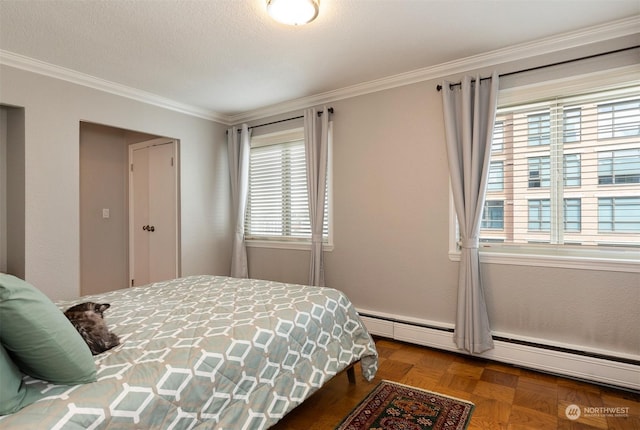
(207, 352)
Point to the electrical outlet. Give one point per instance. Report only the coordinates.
(105, 213)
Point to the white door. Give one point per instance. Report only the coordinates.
(153, 206)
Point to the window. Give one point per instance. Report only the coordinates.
(571, 124)
(619, 167)
(278, 203)
(493, 214)
(619, 214)
(572, 214)
(619, 119)
(539, 215)
(496, 175)
(571, 169)
(539, 172)
(561, 153)
(497, 144)
(539, 129)
(570, 178)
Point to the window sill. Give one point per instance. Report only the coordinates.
(613, 261)
(282, 244)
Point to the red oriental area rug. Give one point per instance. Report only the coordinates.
(393, 406)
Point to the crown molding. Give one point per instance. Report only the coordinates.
(599, 33)
(40, 67)
(549, 45)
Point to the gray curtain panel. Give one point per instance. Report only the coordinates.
(469, 116)
(316, 144)
(238, 146)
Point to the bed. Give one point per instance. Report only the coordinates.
(204, 352)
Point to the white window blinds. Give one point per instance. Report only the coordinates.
(278, 202)
(571, 172)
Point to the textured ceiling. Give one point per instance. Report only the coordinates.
(229, 57)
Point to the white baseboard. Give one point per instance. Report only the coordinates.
(584, 366)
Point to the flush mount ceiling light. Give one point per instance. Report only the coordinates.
(293, 12)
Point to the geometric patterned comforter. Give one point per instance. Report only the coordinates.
(207, 352)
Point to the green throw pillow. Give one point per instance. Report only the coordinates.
(39, 338)
(12, 390)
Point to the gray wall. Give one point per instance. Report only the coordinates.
(53, 111)
(104, 244)
(391, 217)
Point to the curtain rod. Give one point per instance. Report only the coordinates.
(284, 120)
(559, 63)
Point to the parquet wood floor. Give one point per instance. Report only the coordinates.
(505, 397)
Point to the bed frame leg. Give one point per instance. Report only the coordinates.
(351, 375)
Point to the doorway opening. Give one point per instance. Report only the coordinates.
(12, 190)
(105, 206)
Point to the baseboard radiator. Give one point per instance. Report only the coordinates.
(565, 360)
